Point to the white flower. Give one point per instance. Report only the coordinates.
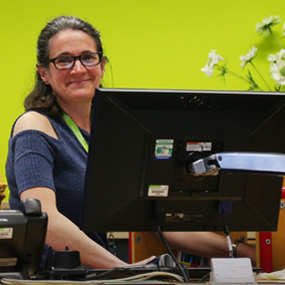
(212, 61)
(273, 58)
(208, 70)
(277, 71)
(283, 30)
(247, 58)
(214, 58)
(266, 24)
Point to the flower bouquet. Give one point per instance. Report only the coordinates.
(276, 61)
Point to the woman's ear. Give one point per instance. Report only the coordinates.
(43, 74)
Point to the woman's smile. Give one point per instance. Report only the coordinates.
(78, 82)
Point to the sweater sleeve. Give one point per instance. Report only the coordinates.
(33, 160)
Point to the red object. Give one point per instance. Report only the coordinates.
(283, 193)
(265, 243)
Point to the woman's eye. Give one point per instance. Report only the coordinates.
(64, 60)
(88, 57)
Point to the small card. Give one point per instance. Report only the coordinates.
(232, 270)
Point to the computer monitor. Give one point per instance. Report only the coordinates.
(143, 143)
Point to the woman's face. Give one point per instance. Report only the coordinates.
(78, 84)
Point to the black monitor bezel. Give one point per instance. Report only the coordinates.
(132, 211)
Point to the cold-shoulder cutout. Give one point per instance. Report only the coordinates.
(34, 121)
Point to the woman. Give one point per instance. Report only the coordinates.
(48, 145)
(46, 160)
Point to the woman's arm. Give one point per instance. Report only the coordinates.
(62, 233)
(206, 244)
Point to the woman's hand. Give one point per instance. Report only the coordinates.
(143, 262)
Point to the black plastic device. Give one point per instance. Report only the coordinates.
(143, 142)
(22, 238)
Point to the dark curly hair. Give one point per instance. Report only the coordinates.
(41, 97)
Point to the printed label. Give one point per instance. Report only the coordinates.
(199, 146)
(8, 261)
(6, 233)
(158, 190)
(163, 149)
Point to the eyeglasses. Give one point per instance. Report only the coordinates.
(67, 62)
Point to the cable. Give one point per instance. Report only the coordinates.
(227, 233)
(139, 277)
(204, 278)
(183, 272)
(119, 272)
(225, 208)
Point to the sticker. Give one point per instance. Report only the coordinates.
(163, 149)
(6, 233)
(199, 146)
(158, 190)
(8, 261)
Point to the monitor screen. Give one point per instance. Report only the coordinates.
(143, 143)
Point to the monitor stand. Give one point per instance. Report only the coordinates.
(266, 163)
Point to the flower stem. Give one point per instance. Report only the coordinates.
(240, 77)
(260, 75)
(276, 37)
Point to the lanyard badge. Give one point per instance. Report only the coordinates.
(75, 130)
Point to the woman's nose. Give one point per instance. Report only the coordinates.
(78, 66)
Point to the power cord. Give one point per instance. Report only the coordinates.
(225, 208)
(183, 271)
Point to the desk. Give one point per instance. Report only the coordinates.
(25, 282)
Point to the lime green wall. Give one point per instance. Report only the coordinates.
(150, 43)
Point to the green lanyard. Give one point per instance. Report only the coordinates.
(75, 130)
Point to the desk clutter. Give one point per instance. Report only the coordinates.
(66, 269)
(121, 276)
(61, 272)
(21, 268)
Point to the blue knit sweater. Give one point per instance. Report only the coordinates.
(38, 160)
